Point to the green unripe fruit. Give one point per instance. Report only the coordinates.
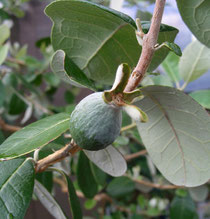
(94, 124)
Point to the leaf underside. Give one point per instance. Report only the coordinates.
(177, 135)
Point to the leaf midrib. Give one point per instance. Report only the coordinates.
(34, 136)
(172, 128)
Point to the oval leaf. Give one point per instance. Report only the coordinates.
(98, 39)
(177, 135)
(194, 61)
(16, 187)
(202, 97)
(183, 208)
(86, 180)
(120, 187)
(48, 201)
(196, 16)
(110, 160)
(34, 136)
(199, 193)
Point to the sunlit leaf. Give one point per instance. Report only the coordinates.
(202, 97)
(194, 62)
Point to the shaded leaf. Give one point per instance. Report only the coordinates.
(48, 201)
(16, 187)
(183, 208)
(194, 62)
(110, 160)
(120, 187)
(34, 135)
(73, 198)
(16, 105)
(196, 16)
(177, 135)
(98, 39)
(202, 97)
(86, 180)
(99, 175)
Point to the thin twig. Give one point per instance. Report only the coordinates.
(148, 47)
(16, 61)
(125, 128)
(157, 186)
(69, 149)
(130, 157)
(7, 127)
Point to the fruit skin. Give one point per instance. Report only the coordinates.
(94, 124)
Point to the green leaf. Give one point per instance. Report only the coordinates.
(170, 65)
(202, 97)
(2, 138)
(16, 105)
(99, 175)
(86, 180)
(199, 193)
(16, 187)
(46, 179)
(90, 203)
(183, 208)
(48, 201)
(195, 14)
(173, 47)
(120, 187)
(73, 198)
(98, 39)
(67, 70)
(194, 61)
(4, 33)
(2, 94)
(177, 135)
(69, 97)
(162, 80)
(3, 53)
(110, 160)
(34, 136)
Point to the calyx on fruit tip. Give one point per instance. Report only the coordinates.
(124, 99)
